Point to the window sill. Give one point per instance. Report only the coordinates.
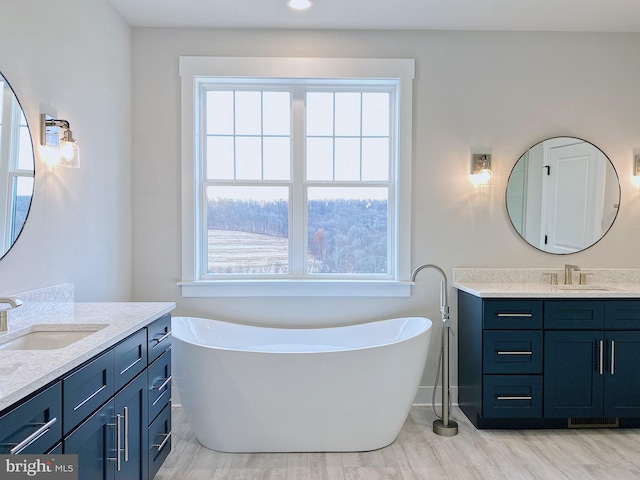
(295, 288)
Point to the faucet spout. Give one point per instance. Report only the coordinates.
(13, 303)
(568, 273)
(444, 304)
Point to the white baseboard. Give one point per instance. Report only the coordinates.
(423, 397)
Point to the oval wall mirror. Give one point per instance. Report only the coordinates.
(17, 171)
(563, 195)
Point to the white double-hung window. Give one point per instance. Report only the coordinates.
(296, 176)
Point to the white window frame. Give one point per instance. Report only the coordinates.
(194, 68)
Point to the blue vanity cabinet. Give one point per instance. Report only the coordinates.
(548, 362)
(114, 410)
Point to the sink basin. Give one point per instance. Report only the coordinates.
(585, 288)
(50, 337)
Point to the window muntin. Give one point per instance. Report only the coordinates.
(344, 164)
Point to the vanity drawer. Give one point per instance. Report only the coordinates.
(159, 337)
(512, 396)
(512, 314)
(574, 314)
(35, 426)
(622, 314)
(130, 357)
(159, 440)
(159, 384)
(506, 351)
(86, 389)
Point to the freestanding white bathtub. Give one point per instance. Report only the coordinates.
(257, 389)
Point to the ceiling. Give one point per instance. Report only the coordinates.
(525, 15)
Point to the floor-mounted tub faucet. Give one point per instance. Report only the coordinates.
(443, 425)
(568, 273)
(13, 303)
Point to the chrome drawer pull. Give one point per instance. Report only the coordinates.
(131, 366)
(523, 397)
(161, 339)
(165, 383)
(514, 353)
(44, 428)
(89, 398)
(167, 436)
(515, 315)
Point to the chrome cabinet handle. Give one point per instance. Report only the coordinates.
(126, 434)
(601, 357)
(515, 315)
(117, 459)
(161, 339)
(613, 357)
(167, 436)
(165, 383)
(514, 353)
(44, 428)
(520, 397)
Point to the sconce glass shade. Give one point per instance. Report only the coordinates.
(482, 178)
(481, 173)
(299, 4)
(69, 154)
(56, 136)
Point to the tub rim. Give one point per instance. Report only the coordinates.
(425, 329)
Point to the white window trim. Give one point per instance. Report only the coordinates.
(192, 68)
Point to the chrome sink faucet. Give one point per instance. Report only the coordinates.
(13, 303)
(568, 273)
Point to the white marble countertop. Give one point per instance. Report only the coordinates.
(533, 283)
(24, 371)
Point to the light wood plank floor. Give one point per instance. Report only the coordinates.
(419, 454)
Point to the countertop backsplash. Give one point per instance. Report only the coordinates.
(42, 301)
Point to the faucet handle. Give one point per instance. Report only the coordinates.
(553, 278)
(583, 278)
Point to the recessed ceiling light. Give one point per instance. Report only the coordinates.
(299, 4)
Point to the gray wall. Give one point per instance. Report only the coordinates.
(73, 59)
(504, 91)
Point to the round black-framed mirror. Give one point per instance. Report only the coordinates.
(17, 167)
(563, 195)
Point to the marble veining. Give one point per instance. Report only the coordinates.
(533, 283)
(24, 371)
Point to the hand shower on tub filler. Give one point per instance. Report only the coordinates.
(443, 425)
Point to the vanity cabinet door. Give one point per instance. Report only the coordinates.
(622, 374)
(131, 411)
(574, 364)
(94, 442)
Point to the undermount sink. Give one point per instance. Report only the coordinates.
(585, 288)
(50, 336)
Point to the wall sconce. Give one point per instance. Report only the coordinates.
(65, 149)
(481, 173)
(636, 169)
